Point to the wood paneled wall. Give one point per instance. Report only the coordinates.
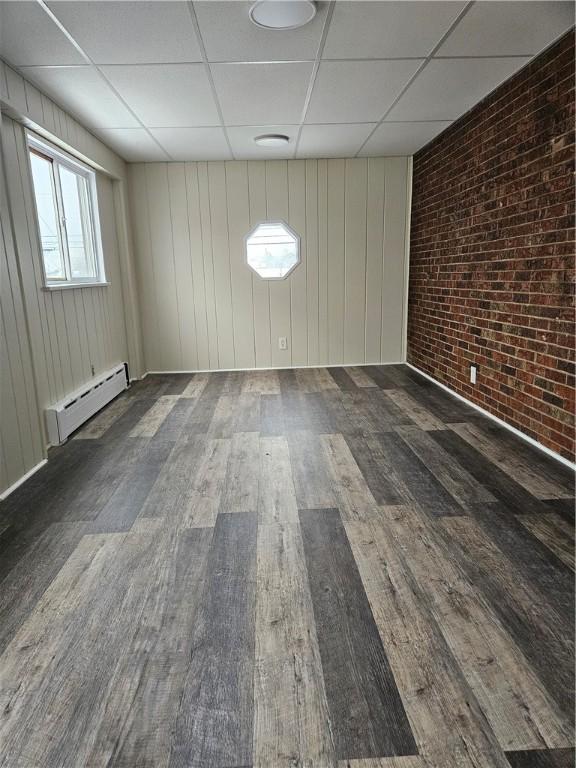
(71, 331)
(68, 333)
(21, 444)
(203, 308)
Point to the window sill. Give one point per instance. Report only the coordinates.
(71, 286)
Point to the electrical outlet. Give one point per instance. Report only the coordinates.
(93, 370)
(473, 371)
(282, 342)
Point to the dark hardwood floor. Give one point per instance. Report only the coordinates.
(289, 569)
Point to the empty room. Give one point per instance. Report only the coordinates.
(287, 384)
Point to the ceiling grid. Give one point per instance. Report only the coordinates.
(183, 80)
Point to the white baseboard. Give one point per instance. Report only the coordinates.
(275, 368)
(22, 480)
(517, 432)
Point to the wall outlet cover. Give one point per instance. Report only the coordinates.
(282, 342)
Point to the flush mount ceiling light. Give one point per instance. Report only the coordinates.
(282, 14)
(272, 140)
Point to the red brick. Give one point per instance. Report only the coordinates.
(492, 267)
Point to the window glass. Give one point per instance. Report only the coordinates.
(78, 225)
(46, 207)
(272, 250)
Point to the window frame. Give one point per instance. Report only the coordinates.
(58, 157)
(295, 235)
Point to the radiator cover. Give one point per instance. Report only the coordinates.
(67, 415)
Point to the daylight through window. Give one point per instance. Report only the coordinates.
(65, 194)
(273, 250)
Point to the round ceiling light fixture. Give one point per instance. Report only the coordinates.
(272, 140)
(282, 14)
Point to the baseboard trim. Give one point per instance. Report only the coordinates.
(274, 368)
(484, 412)
(22, 480)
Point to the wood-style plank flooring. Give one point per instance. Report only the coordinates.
(289, 569)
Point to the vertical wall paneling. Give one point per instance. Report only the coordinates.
(168, 328)
(298, 282)
(53, 341)
(260, 288)
(277, 209)
(323, 355)
(345, 301)
(74, 330)
(355, 258)
(138, 199)
(127, 272)
(312, 284)
(208, 261)
(336, 246)
(182, 265)
(393, 290)
(241, 275)
(20, 431)
(374, 261)
(198, 299)
(39, 317)
(221, 261)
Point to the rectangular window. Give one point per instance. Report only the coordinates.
(68, 225)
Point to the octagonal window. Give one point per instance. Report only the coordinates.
(272, 250)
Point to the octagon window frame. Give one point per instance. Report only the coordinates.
(290, 231)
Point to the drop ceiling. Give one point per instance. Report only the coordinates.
(195, 81)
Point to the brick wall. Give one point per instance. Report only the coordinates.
(492, 252)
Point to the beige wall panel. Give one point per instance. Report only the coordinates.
(221, 261)
(336, 256)
(280, 317)
(355, 260)
(298, 280)
(242, 300)
(331, 306)
(323, 355)
(260, 288)
(22, 209)
(393, 286)
(168, 328)
(183, 265)
(312, 223)
(198, 299)
(374, 257)
(208, 261)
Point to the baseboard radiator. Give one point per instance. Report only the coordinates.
(67, 415)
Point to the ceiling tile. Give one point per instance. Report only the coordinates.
(446, 88)
(261, 93)
(193, 143)
(508, 28)
(229, 35)
(166, 95)
(401, 138)
(29, 36)
(361, 91)
(244, 147)
(131, 32)
(133, 144)
(365, 30)
(333, 140)
(84, 93)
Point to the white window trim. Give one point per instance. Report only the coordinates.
(68, 161)
(294, 234)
